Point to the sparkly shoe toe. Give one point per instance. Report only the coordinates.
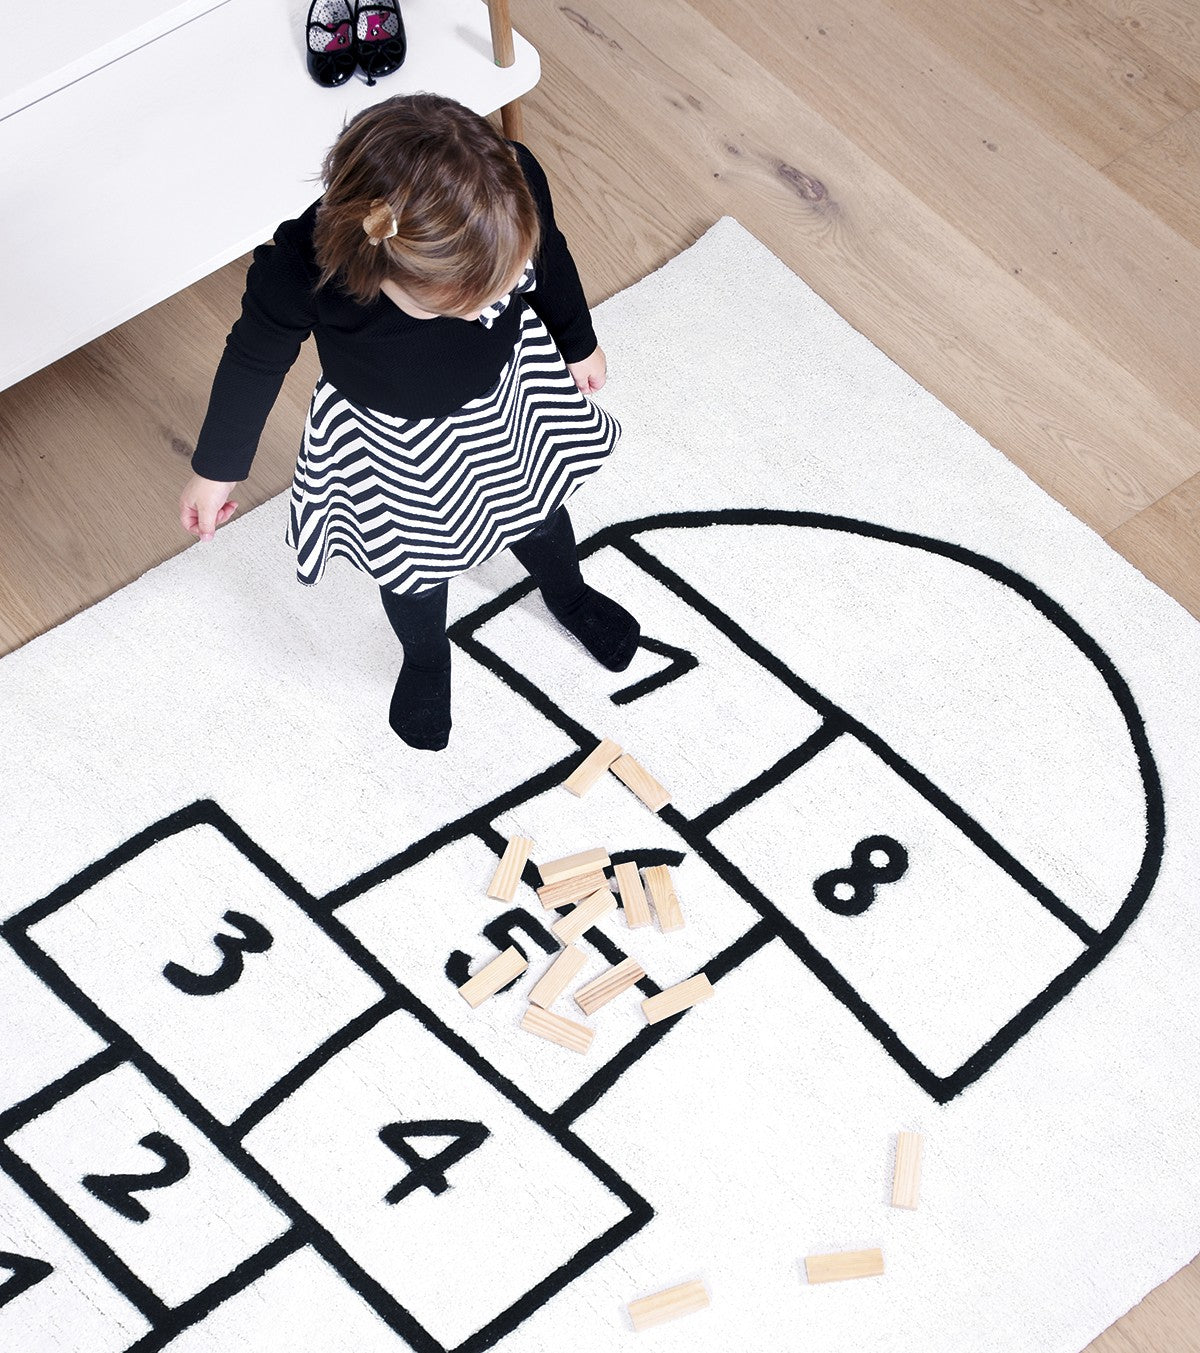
(380, 37)
(331, 50)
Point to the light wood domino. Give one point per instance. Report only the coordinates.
(557, 977)
(832, 1268)
(906, 1181)
(609, 985)
(583, 915)
(668, 1304)
(592, 767)
(633, 895)
(682, 996)
(566, 1032)
(571, 889)
(664, 897)
(504, 882)
(488, 980)
(586, 862)
(636, 777)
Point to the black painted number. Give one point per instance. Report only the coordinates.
(117, 1190)
(429, 1172)
(503, 932)
(26, 1272)
(863, 876)
(254, 939)
(679, 662)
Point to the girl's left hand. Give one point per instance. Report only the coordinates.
(591, 373)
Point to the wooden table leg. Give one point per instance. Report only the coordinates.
(502, 51)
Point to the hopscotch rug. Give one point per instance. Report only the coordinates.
(933, 830)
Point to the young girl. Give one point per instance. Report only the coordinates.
(451, 417)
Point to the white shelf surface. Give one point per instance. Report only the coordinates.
(91, 36)
(135, 181)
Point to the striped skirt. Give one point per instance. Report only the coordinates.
(414, 501)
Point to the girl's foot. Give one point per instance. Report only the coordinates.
(605, 628)
(420, 709)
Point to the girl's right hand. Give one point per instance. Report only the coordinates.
(204, 505)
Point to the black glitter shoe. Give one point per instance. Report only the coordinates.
(379, 34)
(332, 55)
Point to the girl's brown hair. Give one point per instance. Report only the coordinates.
(465, 218)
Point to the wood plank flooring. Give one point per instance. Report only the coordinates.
(1001, 195)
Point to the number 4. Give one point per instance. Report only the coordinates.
(429, 1172)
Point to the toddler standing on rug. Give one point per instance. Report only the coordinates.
(451, 417)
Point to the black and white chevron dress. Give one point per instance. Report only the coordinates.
(414, 501)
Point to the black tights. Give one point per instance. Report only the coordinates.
(420, 708)
(547, 553)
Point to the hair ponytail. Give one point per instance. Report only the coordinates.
(380, 223)
(422, 191)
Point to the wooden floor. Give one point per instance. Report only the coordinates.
(1003, 195)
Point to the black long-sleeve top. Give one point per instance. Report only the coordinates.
(376, 355)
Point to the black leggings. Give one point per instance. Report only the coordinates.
(547, 553)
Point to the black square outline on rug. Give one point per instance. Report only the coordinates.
(168, 1322)
(478, 823)
(693, 831)
(623, 537)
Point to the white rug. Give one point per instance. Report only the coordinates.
(894, 633)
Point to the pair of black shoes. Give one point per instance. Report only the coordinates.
(341, 40)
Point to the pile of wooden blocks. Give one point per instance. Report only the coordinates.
(579, 881)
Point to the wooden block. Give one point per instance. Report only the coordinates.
(906, 1182)
(577, 1037)
(504, 882)
(662, 894)
(590, 997)
(679, 997)
(586, 862)
(639, 779)
(498, 973)
(568, 928)
(592, 767)
(571, 889)
(833, 1268)
(557, 977)
(668, 1304)
(633, 895)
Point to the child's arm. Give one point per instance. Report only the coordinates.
(204, 505)
(591, 373)
(276, 318)
(558, 297)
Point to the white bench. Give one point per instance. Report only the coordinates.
(172, 137)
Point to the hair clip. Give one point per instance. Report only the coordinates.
(380, 223)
